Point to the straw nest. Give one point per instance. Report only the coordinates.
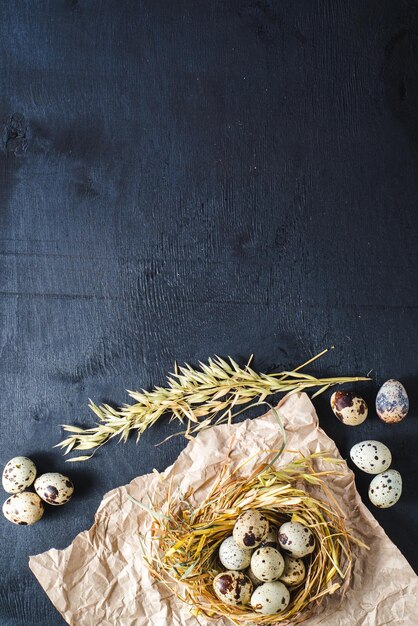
(183, 548)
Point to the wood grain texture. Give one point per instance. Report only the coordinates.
(179, 179)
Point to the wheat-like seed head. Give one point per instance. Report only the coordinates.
(198, 398)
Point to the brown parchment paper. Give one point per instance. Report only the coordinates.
(101, 579)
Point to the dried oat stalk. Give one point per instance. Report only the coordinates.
(198, 398)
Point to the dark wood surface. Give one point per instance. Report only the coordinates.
(179, 179)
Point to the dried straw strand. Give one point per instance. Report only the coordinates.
(198, 398)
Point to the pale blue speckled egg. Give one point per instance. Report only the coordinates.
(392, 402)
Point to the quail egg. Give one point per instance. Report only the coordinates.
(385, 489)
(270, 598)
(272, 538)
(18, 474)
(250, 529)
(296, 539)
(233, 557)
(392, 403)
(294, 571)
(371, 456)
(54, 488)
(256, 581)
(267, 564)
(234, 588)
(349, 408)
(24, 508)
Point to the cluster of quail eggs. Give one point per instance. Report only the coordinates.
(263, 563)
(392, 404)
(374, 457)
(25, 507)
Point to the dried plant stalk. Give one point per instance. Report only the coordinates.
(198, 398)
(181, 551)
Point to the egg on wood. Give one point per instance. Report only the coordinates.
(54, 488)
(296, 539)
(270, 598)
(250, 529)
(294, 571)
(19, 474)
(371, 456)
(392, 403)
(267, 564)
(232, 556)
(386, 489)
(349, 408)
(24, 508)
(234, 588)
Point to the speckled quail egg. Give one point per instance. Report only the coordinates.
(349, 408)
(250, 529)
(296, 539)
(18, 475)
(294, 571)
(392, 403)
(267, 564)
(233, 588)
(54, 488)
(23, 508)
(371, 456)
(272, 538)
(256, 581)
(270, 598)
(386, 489)
(233, 557)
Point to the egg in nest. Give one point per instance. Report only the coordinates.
(296, 539)
(234, 588)
(250, 529)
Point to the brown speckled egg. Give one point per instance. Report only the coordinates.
(272, 539)
(233, 557)
(296, 539)
(270, 598)
(234, 588)
(23, 508)
(256, 581)
(267, 564)
(392, 403)
(371, 456)
(54, 488)
(251, 528)
(350, 409)
(385, 489)
(294, 571)
(18, 475)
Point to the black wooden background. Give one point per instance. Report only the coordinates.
(190, 177)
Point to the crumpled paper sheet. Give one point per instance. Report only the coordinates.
(101, 579)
